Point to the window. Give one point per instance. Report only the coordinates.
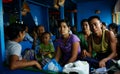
(116, 18)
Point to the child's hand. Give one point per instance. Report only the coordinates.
(44, 53)
(41, 52)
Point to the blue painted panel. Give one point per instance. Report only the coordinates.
(72, 19)
(87, 9)
(62, 12)
(41, 13)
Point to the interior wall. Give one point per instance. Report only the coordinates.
(41, 14)
(87, 9)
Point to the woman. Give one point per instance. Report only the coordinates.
(102, 42)
(83, 36)
(68, 48)
(113, 27)
(16, 33)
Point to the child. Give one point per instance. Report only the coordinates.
(46, 48)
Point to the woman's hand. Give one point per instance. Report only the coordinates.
(38, 65)
(84, 53)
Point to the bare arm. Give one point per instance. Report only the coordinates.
(58, 54)
(75, 47)
(15, 63)
(113, 42)
(113, 54)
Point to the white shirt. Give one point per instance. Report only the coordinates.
(13, 48)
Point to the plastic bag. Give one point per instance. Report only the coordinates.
(80, 67)
(102, 70)
(53, 66)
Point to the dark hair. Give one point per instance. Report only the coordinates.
(113, 26)
(40, 25)
(84, 20)
(92, 17)
(63, 20)
(46, 33)
(103, 23)
(14, 29)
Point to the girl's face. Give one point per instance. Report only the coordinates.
(46, 38)
(85, 26)
(95, 25)
(64, 29)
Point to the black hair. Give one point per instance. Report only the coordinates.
(103, 23)
(40, 25)
(14, 29)
(63, 20)
(46, 33)
(92, 17)
(113, 26)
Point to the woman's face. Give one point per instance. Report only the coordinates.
(40, 30)
(95, 25)
(64, 29)
(85, 26)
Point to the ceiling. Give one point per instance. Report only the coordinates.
(69, 4)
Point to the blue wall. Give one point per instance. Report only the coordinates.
(87, 9)
(41, 13)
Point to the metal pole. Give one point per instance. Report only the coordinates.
(2, 44)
